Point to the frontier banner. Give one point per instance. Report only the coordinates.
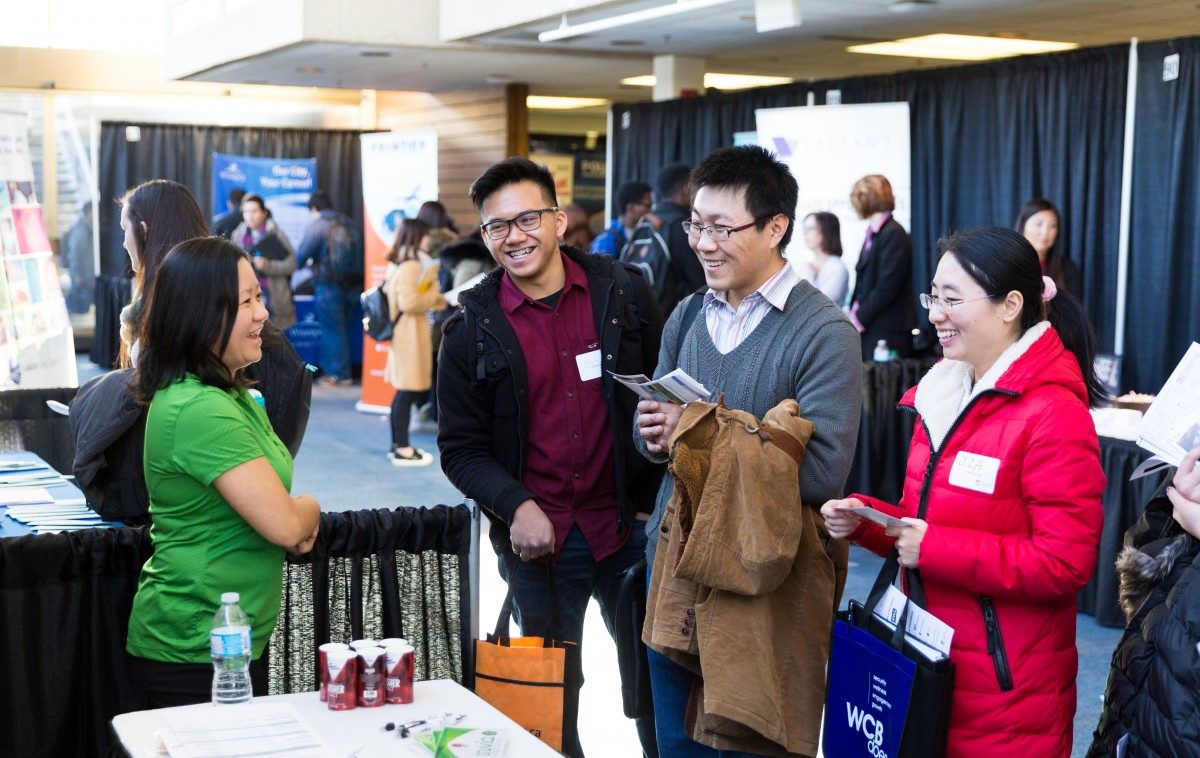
(399, 172)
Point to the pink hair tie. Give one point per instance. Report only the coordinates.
(1048, 289)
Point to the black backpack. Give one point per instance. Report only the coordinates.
(648, 250)
(344, 251)
(375, 307)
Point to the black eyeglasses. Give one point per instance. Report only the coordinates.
(718, 233)
(527, 221)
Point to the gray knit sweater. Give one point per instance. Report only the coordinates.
(809, 352)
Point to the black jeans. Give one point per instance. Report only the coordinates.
(171, 684)
(402, 403)
(578, 577)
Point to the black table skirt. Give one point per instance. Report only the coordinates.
(65, 601)
(1123, 503)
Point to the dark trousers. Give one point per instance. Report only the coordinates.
(402, 403)
(578, 577)
(333, 305)
(171, 684)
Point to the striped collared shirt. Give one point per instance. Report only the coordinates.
(728, 326)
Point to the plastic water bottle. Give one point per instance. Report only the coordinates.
(882, 354)
(230, 641)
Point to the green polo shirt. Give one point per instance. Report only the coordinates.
(202, 547)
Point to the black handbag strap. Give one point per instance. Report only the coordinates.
(503, 621)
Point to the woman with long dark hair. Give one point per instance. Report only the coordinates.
(412, 290)
(155, 216)
(217, 474)
(1001, 503)
(1039, 222)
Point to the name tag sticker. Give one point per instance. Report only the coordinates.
(975, 472)
(589, 365)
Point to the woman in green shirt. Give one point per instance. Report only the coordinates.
(218, 476)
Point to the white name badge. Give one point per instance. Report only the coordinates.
(975, 472)
(589, 365)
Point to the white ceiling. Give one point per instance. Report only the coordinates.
(724, 35)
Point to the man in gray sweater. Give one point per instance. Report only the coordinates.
(759, 335)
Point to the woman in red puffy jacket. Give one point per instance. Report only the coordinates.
(1001, 497)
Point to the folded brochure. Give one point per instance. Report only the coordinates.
(459, 742)
(676, 387)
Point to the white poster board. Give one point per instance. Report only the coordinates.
(830, 147)
(37, 346)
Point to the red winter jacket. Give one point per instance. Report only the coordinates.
(1013, 487)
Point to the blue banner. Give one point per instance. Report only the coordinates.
(285, 184)
(866, 701)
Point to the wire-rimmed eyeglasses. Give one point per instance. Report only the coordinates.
(944, 304)
(718, 233)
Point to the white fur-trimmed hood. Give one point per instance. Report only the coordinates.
(943, 390)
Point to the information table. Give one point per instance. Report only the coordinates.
(361, 727)
(64, 493)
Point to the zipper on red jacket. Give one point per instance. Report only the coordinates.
(995, 643)
(991, 624)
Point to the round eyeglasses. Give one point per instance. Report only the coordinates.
(527, 221)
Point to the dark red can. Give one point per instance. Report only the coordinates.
(323, 663)
(372, 667)
(400, 662)
(341, 689)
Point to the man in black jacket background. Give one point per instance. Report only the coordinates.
(532, 424)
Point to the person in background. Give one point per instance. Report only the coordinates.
(881, 307)
(632, 201)
(823, 264)
(1153, 691)
(1001, 507)
(217, 476)
(79, 254)
(578, 233)
(155, 216)
(670, 210)
(412, 291)
(532, 425)
(232, 218)
(1039, 221)
(273, 257)
(760, 336)
(442, 232)
(336, 295)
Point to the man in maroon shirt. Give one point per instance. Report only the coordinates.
(531, 423)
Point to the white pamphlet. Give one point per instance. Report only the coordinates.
(879, 517)
(676, 387)
(928, 634)
(276, 729)
(1172, 424)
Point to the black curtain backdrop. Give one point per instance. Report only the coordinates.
(1163, 305)
(984, 138)
(183, 153)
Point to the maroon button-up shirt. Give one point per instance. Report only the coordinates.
(569, 466)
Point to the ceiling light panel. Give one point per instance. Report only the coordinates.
(961, 47)
(547, 103)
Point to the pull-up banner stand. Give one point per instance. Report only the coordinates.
(37, 347)
(399, 172)
(830, 147)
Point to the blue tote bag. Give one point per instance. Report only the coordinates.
(884, 699)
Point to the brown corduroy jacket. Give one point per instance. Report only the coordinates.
(746, 581)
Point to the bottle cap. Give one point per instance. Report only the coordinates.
(230, 597)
